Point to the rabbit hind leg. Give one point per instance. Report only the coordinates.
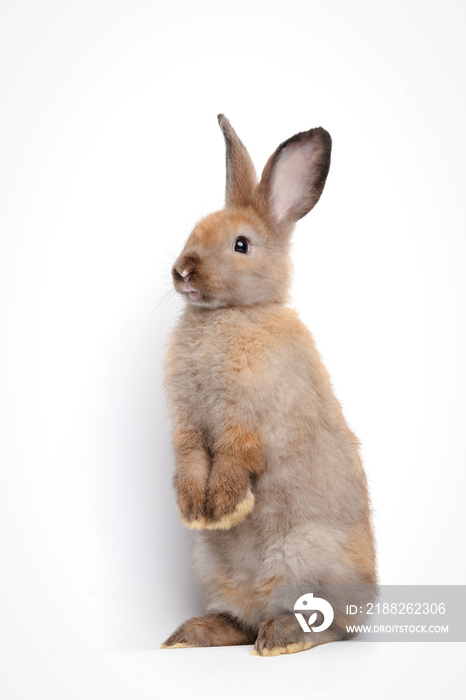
(212, 630)
(282, 635)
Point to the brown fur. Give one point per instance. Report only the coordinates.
(214, 630)
(360, 555)
(193, 467)
(238, 455)
(241, 174)
(240, 594)
(256, 420)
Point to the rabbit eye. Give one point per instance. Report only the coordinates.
(241, 245)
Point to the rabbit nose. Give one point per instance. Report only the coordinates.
(185, 274)
(185, 266)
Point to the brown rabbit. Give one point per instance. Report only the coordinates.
(268, 473)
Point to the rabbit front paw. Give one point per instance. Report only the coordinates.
(190, 500)
(225, 502)
(229, 498)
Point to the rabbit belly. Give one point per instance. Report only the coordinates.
(240, 569)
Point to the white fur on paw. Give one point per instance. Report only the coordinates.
(178, 645)
(198, 524)
(241, 511)
(287, 649)
(239, 514)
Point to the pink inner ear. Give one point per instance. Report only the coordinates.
(292, 179)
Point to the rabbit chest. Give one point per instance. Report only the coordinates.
(228, 365)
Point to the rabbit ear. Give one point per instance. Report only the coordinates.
(294, 177)
(241, 175)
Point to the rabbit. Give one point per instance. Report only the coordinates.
(268, 474)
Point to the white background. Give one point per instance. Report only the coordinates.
(110, 151)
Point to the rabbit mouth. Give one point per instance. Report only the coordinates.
(191, 292)
(197, 298)
(194, 296)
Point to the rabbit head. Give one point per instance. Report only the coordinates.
(240, 256)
